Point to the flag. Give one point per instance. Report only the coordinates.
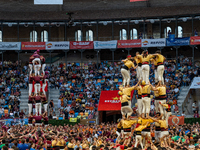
(137, 0)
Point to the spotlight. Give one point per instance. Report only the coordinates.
(184, 19)
(122, 50)
(42, 24)
(74, 52)
(105, 23)
(171, 49)
(136, 21)
(196, 47)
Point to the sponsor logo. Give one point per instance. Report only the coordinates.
(114, 100)
(145, 42)
(49, 45)
(175, 120)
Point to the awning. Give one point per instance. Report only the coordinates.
(109, 101)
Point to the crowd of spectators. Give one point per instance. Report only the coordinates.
(93, 137)
(12, 79)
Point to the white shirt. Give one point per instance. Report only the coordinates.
(193, 106)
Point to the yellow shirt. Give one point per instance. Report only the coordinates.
(157, 124)
(59, 143)
(128, 123)
(139, 89)
(162, 90)
(156, 93)
(127, 91)
(70, 145)
(146, 89)
(138, 59)
(129, 63)
(124, 98)
(166, 106)
(147, 58)
(141, 127)
(160, 58)
(162, 123)
(144, 121)
(119, 125)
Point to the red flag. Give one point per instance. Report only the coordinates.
(33, 86)
(41, 86)
(46, 87)
(138, 0)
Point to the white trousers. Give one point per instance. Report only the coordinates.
(162, 109)
(164, 133)
(118, 135)
(156, 105)
(167, 114)
(140, 106)
(160, 71)
(45, 107)
(30, 106)
(146, 105)
(144, 134)
(37, 88)
(157, 135)
(145, 73)
(138, 138)
(139, 73)
(43, 67)
(126, 110)
(156, 75)
(38, 109)
(31, 68)
(37, 67)
(126, 76)
(43, 86)
(30, 85)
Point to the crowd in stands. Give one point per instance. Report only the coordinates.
(12, 79)
(93, 137)
(80, 86)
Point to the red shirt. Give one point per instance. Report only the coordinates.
(37, 99)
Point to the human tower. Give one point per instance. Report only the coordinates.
(144, 88)
(38, 87)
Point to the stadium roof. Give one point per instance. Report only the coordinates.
(96, 9)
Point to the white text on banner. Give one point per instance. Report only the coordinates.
(105, 44)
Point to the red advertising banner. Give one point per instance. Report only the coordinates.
(128, 43)
(109, 100)
(82, 45)
(194, 40)
(33, 45)
(175, 120)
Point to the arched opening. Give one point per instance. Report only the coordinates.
(180, 32)
(89, 35)
(133, 34)
(167, 31)
(78, 35)
(123, 34)
(33, 36)
(44, 36)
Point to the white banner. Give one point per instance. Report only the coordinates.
(153, 42)
(195, 83)
(48, 2)
(57, 45)
(10, 45)
(105, 44)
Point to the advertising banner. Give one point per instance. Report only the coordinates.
(195, 83)
(175, 120)
(57, 45)
(105, 44)
(195, 40)
(48, 2)
(81, 45)
(15, 121)
(153, 42)
(10, 45)
(110, 100)
(178, 41)
(128, 43)
(33, 45)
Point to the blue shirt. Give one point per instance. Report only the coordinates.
(23, 146)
